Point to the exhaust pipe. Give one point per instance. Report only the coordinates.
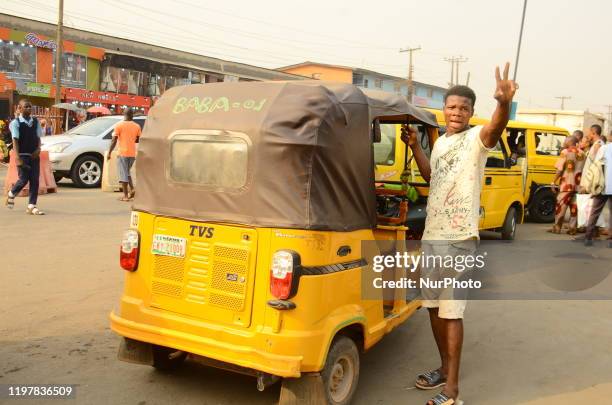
(264, 380)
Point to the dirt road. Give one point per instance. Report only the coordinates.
(59, 278)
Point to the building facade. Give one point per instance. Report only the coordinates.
(102, 70)
(425, 95)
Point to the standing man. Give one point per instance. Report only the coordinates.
(127, 134)
(457, 168)
(599, 201)
(26, 133)
(595, 153)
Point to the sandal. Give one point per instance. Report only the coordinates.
(443, 399)
(34, 211)
(555, 229)
(9, 202)
(131, 194)
(124, 199)
(433, 378)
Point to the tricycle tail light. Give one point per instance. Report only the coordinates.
(282, 273)
(128, 255)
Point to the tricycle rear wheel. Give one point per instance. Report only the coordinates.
(335, 385)
(341, 372)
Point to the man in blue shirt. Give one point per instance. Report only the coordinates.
(26, 132)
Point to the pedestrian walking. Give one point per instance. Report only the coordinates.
(599, 200)
(456, 171)
(46, 129)
(596, 142)
(578, 134)
(569, 171)
(126, 134)
(26, 132)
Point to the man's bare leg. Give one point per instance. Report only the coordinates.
(439, 332)
(454, 344)
(124, 188)
(132, 191)
(448, 334)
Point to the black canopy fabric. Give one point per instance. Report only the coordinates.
(306, 153)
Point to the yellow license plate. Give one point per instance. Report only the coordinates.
(167, 245)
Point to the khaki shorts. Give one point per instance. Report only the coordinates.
(447, 309)
(450, 303)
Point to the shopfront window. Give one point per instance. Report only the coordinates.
(74, 70)
(127, 81)
(18, 60)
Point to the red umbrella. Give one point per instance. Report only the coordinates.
(99, 110)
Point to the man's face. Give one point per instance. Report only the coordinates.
(593, 135)
(457, 113)
(25, 109)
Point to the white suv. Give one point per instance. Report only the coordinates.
(79, 153)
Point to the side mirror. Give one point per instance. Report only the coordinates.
(376, 135)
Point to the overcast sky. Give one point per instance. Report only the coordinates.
(566, 44)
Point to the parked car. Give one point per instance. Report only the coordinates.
(79, 153)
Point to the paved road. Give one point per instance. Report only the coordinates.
(59, 279)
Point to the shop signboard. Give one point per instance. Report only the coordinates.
(35, 89)
(35, 40)
(102, 97)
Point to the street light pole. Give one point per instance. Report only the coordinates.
(518, 50)
(58, 53)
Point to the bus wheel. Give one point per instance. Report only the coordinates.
(542, 208)
(509, 228)
(341, 371)
(166, 358)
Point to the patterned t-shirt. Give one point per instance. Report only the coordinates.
(457, 168)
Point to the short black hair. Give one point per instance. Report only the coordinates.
(597, 128)
(462, 91)
(578, 131)
(128, 114)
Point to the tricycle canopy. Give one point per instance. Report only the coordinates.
(268, 154)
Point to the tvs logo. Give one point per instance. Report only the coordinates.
(201, 231)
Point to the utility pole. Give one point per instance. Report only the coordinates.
(455, 61)
(518, 49)
(58, 54)
(452, 62)
(459, 60)
(609, 112)
(410, 71)
(563, 98)
(467, 81)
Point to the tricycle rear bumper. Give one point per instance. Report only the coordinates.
(244, 356)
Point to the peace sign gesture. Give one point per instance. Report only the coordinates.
(505, 88)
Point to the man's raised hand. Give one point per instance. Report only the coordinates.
(408, 135)
(505, 88)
